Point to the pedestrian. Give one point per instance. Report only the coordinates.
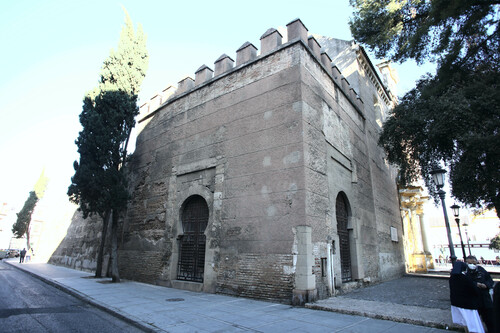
(465, 299)
(28, 255)
(484, 283)
(21, 255)
(496, 307)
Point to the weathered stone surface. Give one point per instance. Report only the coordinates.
(79, 248)
(269, 145)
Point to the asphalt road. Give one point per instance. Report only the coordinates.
(29, 305)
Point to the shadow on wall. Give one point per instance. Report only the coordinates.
(78, 248)
(74, 241)
(52, 217)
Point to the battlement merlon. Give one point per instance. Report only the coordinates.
(326, 61)
(202, 75)
(314, 46)
(271, 41)
(156, 101)
(297, 30)
(184, 85)
(245, 53)
(223, 64)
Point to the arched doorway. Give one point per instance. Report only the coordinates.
(342, 212)
(194, 218)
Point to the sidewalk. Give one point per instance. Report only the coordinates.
(418, 299)
(160, 309)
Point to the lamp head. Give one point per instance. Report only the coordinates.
(456, 210)
(438, 177)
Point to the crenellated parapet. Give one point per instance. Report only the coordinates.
(270, 42)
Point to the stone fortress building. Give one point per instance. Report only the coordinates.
(262, 178)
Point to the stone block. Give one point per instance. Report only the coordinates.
(301, 297)
(314, 46)
(185, 85)
(270, 40)
(245, 53)
(297, 30)
(327, 62)
(154, 103)
(202, 75)
(223, 64)
(166, 93)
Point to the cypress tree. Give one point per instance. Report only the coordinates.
(99, 184)
(22, 225)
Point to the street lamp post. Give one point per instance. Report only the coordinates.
(456, 212)
(467, 237)
(438, 178)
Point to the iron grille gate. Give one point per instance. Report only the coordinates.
(192, 242)
(345, 251)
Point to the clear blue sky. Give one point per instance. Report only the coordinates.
(52, 51)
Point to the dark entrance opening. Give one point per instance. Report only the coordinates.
(343, 232)
(194, 219)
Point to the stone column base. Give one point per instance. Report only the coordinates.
(301, 297)
(430, 261)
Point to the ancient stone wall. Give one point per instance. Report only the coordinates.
(244, 137)
(79, 248)
(269, 145)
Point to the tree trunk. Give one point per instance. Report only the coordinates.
(100, 255)
(28, 238)
(115, 275)
(108, 266)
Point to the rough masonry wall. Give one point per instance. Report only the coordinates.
(79, 248)
(245, 125)
(340, 149)
(257, 275)
(334, 140)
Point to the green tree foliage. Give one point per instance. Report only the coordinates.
(455, 32)
(457, 122)
(495, 242)
(454, 116)
(99, 184)
(21, 226)
(126, 67)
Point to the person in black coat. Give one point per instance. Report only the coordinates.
(496, 307)
(21, 255)
(484, 283)
(463, 291)
(465, 299)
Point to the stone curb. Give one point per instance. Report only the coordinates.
(428, 275)
(494, 275)
(115, 312)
